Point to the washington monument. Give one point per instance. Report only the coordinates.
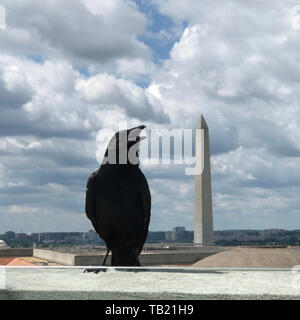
(203, 220)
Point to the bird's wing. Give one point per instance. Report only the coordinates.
(145, 198)
(90, 199)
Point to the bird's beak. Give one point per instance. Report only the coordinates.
(139, 128)
(135, 132)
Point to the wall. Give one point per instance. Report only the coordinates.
(16, 252)
(146, 259)
(66, 259)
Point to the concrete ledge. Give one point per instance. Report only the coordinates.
(172, 257)
(67, 295)
(72, 283)
(66, 259)
(146, 259)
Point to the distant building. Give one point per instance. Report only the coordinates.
(53, 236)
(35, 237)
(179, 229)
(73, 236)
(10, 235)
(21, 236)
(179, 234)
(156, 236)
(170, 236)
(92, 235)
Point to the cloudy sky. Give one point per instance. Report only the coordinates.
(71, 68)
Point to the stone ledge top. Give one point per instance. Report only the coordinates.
(153, 283)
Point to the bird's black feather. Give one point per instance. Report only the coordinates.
(118, 203)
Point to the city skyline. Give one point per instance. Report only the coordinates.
(172, 229)
(269, 237)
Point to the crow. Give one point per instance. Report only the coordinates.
(118, 199)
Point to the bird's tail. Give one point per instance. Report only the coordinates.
(125, 255)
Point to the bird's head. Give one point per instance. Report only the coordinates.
(123, 147)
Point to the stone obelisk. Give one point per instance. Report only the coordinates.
(203, 220)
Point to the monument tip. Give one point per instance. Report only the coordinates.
(202, 123)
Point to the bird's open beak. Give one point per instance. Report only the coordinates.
(135, 132)
(139, 128)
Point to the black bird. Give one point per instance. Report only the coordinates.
(118, 199)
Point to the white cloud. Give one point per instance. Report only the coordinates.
(134, 69)
(54, 99)
(106, 91)
(121, 15)
(69, 68)
(69, 29)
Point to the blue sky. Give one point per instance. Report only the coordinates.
(156, 23)
(69, 69)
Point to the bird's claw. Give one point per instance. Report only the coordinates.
(95, 270)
